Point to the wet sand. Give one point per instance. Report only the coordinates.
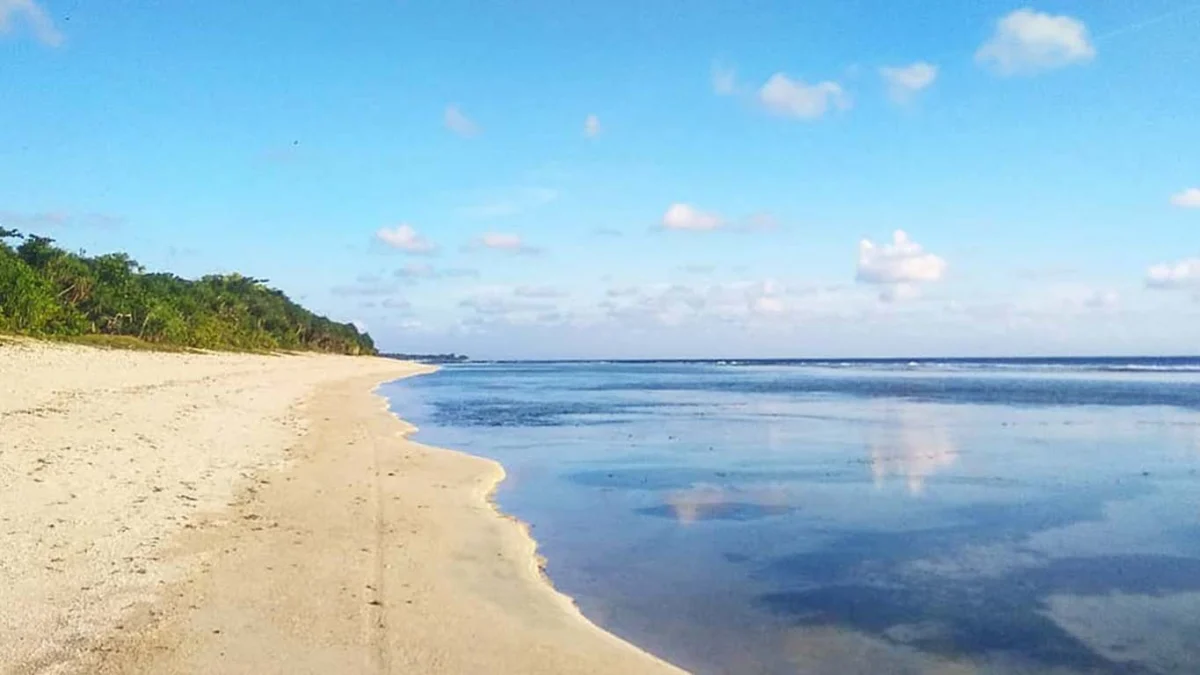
(171, 513)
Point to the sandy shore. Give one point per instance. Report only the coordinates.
(168, 513)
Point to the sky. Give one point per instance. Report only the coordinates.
(690, 179)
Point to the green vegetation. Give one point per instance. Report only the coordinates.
(111, 300)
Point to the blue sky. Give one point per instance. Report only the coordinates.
(627, 179)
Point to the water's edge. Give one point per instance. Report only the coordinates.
(536, 562)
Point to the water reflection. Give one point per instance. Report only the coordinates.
(1159, 632)
(911, 443)
(723, 518)
(834, 651)
(712, 502)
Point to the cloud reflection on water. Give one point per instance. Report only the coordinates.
(1158, 632)
(713, 502)
(913, 444)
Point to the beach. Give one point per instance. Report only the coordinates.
(198, 513)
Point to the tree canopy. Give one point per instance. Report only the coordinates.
(46, 291)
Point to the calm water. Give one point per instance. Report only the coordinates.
(1032, 516)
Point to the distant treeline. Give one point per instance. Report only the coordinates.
(46, 291)
(429, 358)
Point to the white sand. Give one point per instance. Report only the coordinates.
(165, 513)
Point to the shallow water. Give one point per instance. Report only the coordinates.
(1032, 516)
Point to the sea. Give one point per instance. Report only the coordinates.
(945, 516)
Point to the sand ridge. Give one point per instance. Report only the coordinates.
(257, 514)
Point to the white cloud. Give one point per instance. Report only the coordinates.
(1027, 42)
(687, 217)
(359, 325)
(1187, 199)
(724, 80)
(38, 20)
(903, 82)
(459, 123)
(503, 241)
(786, 97)
(404, 238)
(1182, 274)
(591, 126)
(899, 266)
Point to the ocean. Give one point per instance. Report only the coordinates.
(854, 516)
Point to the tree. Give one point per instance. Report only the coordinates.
(8, 234)
(47, 291)
(37, 251)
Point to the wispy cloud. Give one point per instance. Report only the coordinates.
(418, 271)
(1187, 199)
(376, 288)
(404, 237)
(456, 121)
(396, 304)
(1146, 23)
(48, 220)
(1027, 42)
(524, 305)
(759, 222)
(760, 303)
(539, 292)
(687, 217)
(591, 126)
(33, 221)
(32, 14)
(1184, 274)
(905, 82)
(503, 241)
(724, 80)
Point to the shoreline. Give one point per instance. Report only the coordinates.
(315, 537)
(536, 561)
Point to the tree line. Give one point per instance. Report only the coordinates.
(47, 291)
